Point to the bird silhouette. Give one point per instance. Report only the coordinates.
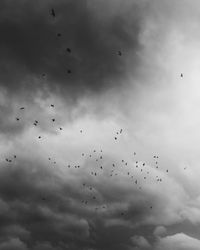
(119, 53)
(53, 13)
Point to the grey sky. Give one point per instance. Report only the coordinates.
(75, 182)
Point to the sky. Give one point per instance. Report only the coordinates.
(99, 125)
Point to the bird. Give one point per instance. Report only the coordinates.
(69, 71)
(52, 105)
(181, 74)
(119, 53)
(53, 13)
(68, 50)
(59, 34)
(22, 108)
(53, 120)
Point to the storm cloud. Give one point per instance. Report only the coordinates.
(34, 45)
(99, 125)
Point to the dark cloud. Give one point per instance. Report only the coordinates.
(39, 208)
(30, 45)
(121, 48)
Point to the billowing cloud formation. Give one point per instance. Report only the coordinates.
(98, 125)
(12, 244)
(178, 242)
(140, 242)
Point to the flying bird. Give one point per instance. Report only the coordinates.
(119, 53)
(53, 13)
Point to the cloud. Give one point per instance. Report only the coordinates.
(94, 37)
(179, 241)
(140, 242)
(80, 186)
(160, 231)
(13, 244)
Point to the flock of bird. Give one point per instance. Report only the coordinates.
(112, 171)
(136, 171)
(68, 50)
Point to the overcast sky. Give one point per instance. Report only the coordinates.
(99, 125)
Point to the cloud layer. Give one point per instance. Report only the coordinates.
(98, 128)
